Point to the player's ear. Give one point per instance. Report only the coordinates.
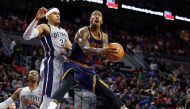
(102, 21)
(90, 19)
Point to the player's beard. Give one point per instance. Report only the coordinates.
(33, 80)
(94, 26)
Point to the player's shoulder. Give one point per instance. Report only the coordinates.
(84, 29)
(43, 25)
(24, 88)
(105, 36)
(64, 30)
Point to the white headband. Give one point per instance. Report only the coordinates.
(52, 11)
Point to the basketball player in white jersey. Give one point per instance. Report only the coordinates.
(55, 42)
(187, 103)
(28, 96)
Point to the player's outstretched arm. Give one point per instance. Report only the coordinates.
(82, 39)
(10, 100)
(32, 31)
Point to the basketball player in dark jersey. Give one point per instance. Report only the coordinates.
(90, 43)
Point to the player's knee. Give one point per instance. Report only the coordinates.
(67, 83)
(58, 95)
(100, 88)
(104, 84)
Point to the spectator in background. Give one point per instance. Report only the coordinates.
(23, 25)
(154, 68)
(18, 50)
(1, 23)
(38, 63)
(14, 82)
(33, 58)
(152, 106)
(1, 44)
(12, 46)
(2, 58)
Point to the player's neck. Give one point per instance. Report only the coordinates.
(54, 24)
(94, 30)
(32, 86)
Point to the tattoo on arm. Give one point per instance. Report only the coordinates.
(82, 39)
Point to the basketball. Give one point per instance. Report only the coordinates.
(119, 55)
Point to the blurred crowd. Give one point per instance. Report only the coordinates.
(12, 22)
(163, 86)
(162, 43)
(177, 7)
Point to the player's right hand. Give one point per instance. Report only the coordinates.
(41, 13)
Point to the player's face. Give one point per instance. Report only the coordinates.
(12, 106)
(55, 17)
(96, 18)
(33, 76)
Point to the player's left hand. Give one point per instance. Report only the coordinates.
(28, 101)
(67, 46)
(107, 51)
(66, 50)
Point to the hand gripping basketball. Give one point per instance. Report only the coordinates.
(116, 56)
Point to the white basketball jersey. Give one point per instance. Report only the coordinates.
(26, 94)
(51, 65)
(53, 43)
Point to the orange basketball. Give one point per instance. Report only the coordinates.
(119, 55)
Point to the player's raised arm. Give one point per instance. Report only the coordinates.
(32, 31)
(82, 39)
(10, 100)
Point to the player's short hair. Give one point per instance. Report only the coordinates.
(27, 75)
(96, 11)
(51, 10)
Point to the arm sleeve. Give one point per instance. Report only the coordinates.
(6, 103)
(31, 31)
